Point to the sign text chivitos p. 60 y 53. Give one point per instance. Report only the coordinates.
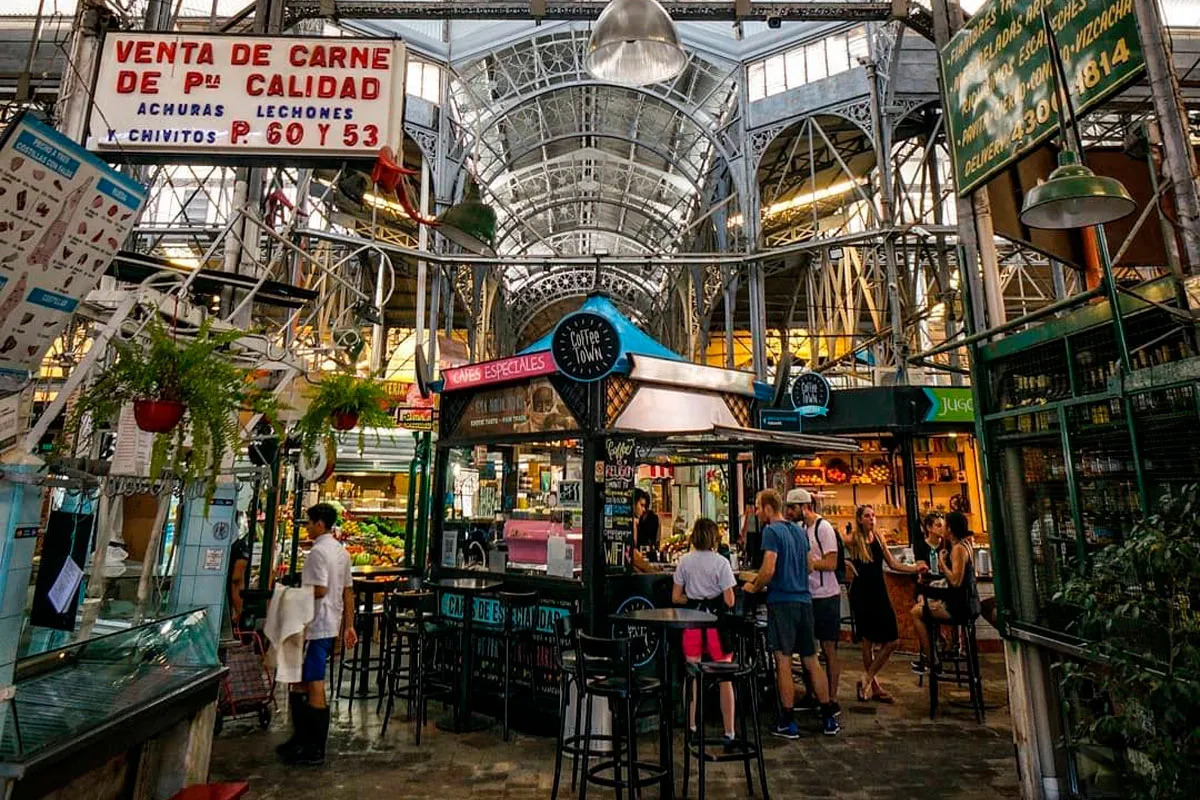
(231, 96)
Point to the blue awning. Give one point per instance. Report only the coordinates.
(634, 340)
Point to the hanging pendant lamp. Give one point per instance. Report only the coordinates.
(635, 43)
(470, 224)
(1075, 197)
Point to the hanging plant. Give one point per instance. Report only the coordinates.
(182, 389)
(343, 402)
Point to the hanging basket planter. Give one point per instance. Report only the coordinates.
(158, 416)
(345, 420)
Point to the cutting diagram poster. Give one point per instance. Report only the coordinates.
(64, 213)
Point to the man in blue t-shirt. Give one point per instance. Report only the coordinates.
(784, 574)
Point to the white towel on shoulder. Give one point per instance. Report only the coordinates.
(290, 610)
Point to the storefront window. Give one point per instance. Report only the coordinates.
(515, 509)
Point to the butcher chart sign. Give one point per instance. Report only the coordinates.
(229, 96)
(63, 215)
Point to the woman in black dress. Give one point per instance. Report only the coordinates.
(874, 617)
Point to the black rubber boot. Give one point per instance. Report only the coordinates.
(312, 752)
(297, 705)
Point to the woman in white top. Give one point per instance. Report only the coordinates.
(704, 578)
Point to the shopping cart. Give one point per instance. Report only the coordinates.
(248, 687)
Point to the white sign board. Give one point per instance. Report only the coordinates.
(63, 215)
(230, 96)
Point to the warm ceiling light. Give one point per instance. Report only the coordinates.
(635, 43)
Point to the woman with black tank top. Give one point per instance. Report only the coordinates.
(959, 602)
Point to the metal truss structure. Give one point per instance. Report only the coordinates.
(823, 222)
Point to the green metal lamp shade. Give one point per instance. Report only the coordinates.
(1075, 197)
(471, 225)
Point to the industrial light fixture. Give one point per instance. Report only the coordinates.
(1073, 196)
(634, 43)
(470, 224)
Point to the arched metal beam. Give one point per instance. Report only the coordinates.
(514, 224)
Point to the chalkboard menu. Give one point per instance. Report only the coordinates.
(620, 474)
(585, 346)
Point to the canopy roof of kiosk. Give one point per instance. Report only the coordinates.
(634, 341)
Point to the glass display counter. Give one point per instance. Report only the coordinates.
(100, 700)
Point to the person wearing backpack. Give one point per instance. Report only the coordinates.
(825, 558)
(784, 576)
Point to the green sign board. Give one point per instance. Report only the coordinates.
(998, 82)
(949, 404)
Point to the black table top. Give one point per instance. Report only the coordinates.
(668, 617)
(382, 571)
(466, 585)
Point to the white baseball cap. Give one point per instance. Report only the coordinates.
(799, 497)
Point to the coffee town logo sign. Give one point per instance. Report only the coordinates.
(585, 346)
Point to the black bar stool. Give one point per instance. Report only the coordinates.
(604, 668)
(520, 611)
(963, 663)
(742, 673)
(361, 661)
(410, 632)
(565, 660)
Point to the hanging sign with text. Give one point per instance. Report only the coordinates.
(998, 81)
(64, 213)
(529, 365)
(229, 96)
(585, 346)
(810, 394)
(620, 477)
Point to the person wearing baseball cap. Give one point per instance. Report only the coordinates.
(823, 584)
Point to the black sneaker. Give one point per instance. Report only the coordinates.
(730, 744)
(919, 667)
(835, 708)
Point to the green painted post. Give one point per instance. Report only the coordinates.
(1073, 490)
(410, 510)
(425, 496)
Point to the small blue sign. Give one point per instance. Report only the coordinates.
(779, 419)
(53, 300)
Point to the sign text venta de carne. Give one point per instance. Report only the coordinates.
(998, 81)
(229, 96)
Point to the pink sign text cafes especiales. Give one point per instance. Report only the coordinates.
(530, 365)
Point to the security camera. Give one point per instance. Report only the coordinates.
(774, 22)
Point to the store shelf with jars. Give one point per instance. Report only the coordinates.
(947, 480)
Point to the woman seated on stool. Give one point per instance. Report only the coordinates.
(961, 597)
(704, 580)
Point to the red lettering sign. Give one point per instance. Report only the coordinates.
(504, 370)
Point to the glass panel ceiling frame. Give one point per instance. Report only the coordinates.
(585, 167)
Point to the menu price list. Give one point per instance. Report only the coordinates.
(619, 478)
(63, 216)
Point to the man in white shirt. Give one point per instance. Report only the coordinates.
(327, 571)
(822, 582)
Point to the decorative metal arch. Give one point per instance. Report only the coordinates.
(628, 290)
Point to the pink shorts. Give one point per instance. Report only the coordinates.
(711, 641)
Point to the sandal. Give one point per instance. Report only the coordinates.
(883, 697)
(862, 696)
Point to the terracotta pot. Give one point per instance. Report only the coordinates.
(158, 416)
(345, 420)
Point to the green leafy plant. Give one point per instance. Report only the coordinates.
(342, 393)
(1138, 608)
(188, 370)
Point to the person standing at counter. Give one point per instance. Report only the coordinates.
(784, 574)
(704, 579)
(874, 617)
(645, 520)
(327, 571)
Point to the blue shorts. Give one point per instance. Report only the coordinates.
(316, 654)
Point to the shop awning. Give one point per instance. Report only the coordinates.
(721, 437)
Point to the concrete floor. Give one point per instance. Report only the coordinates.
(883, 751)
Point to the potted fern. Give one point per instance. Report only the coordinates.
(343, 402)
(181, 389)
